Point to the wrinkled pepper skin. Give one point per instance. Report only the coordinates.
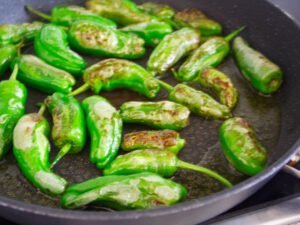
(123, 12)
(151, 32)
(158, 115)
(92, 38)
(171, 49)
(37, 74)
(105, 128)
(112, 74)
(164, 163)
(138, 191)
(163, 140)
(241, 147)
(221, 84)
(158, 10)
(199, 102)
(13, 96)
(31, 150)
(16, 33)
(7, 54)
(51, 45)
(198, 20)
(265, 76)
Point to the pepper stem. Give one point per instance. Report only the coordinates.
(14, 74)
(235, 33)
(208, 172)
(63, 151)
(166, 86)
(38, 13)
(42, 109)
(80, 90)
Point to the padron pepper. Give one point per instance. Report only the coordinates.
(7, 54)
(158, 10)
(137, 191)
(241, 146)
(31, 150)
(18, 33)
(65, 15)
(159, 115)
(152, 32)
(39, 75)
(265, 76)
(105, 128)
(13, 95)
(92, 38)
(171, 49)
(163, 140)
(123, 12)
(112, 74)
(68, 131)
(164, 163)
(209, 54)
(51, 45)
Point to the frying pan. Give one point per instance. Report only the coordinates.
(276, 121)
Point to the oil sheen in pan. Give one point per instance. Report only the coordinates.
(201, 136)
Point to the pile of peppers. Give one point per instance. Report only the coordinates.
(119, 31)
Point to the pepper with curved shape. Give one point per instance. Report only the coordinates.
(161, 11)
(7, 54)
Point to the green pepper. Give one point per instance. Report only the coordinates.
(112, 74)
(39, 75)
(209, 54)
(137, 191)
(105, 128)
(31, 150)
(65, 15)
(158, 10)
(159, 115)
(164, 163)
(17, 33)
(198, 20)
(13, 95)
(163, 140)
(265, 76)
(241, 146)
(68, 132)
(221, 84)
(152, 32)
(51, 46)
(7, 54)
(171, 49)
(92, 38)
(123, 12)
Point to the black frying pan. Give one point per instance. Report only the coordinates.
(276, 120)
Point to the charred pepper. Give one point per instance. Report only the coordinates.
(241, 146)
(164, 163)
(138, 191)
(159, 10)
(163, 140)
(159, 115)
(68, 131)
(105, 128)
(264, 75)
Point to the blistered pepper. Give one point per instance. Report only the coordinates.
(209, 54)
(7, 54)
(13, 95)
(164, 163)
(37, 74)
(241, 146)
(265, 76)
(123, 12)
(171, 49)
(138, 191)
(159, 115)
(163, 140)
(105, 128)
(112, 74)
(51, 45)
(152, 32)
(159, 10)
(65, 15)
(68, 131)
(92, 38)
(31, 150)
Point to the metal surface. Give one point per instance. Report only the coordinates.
(266, 115)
